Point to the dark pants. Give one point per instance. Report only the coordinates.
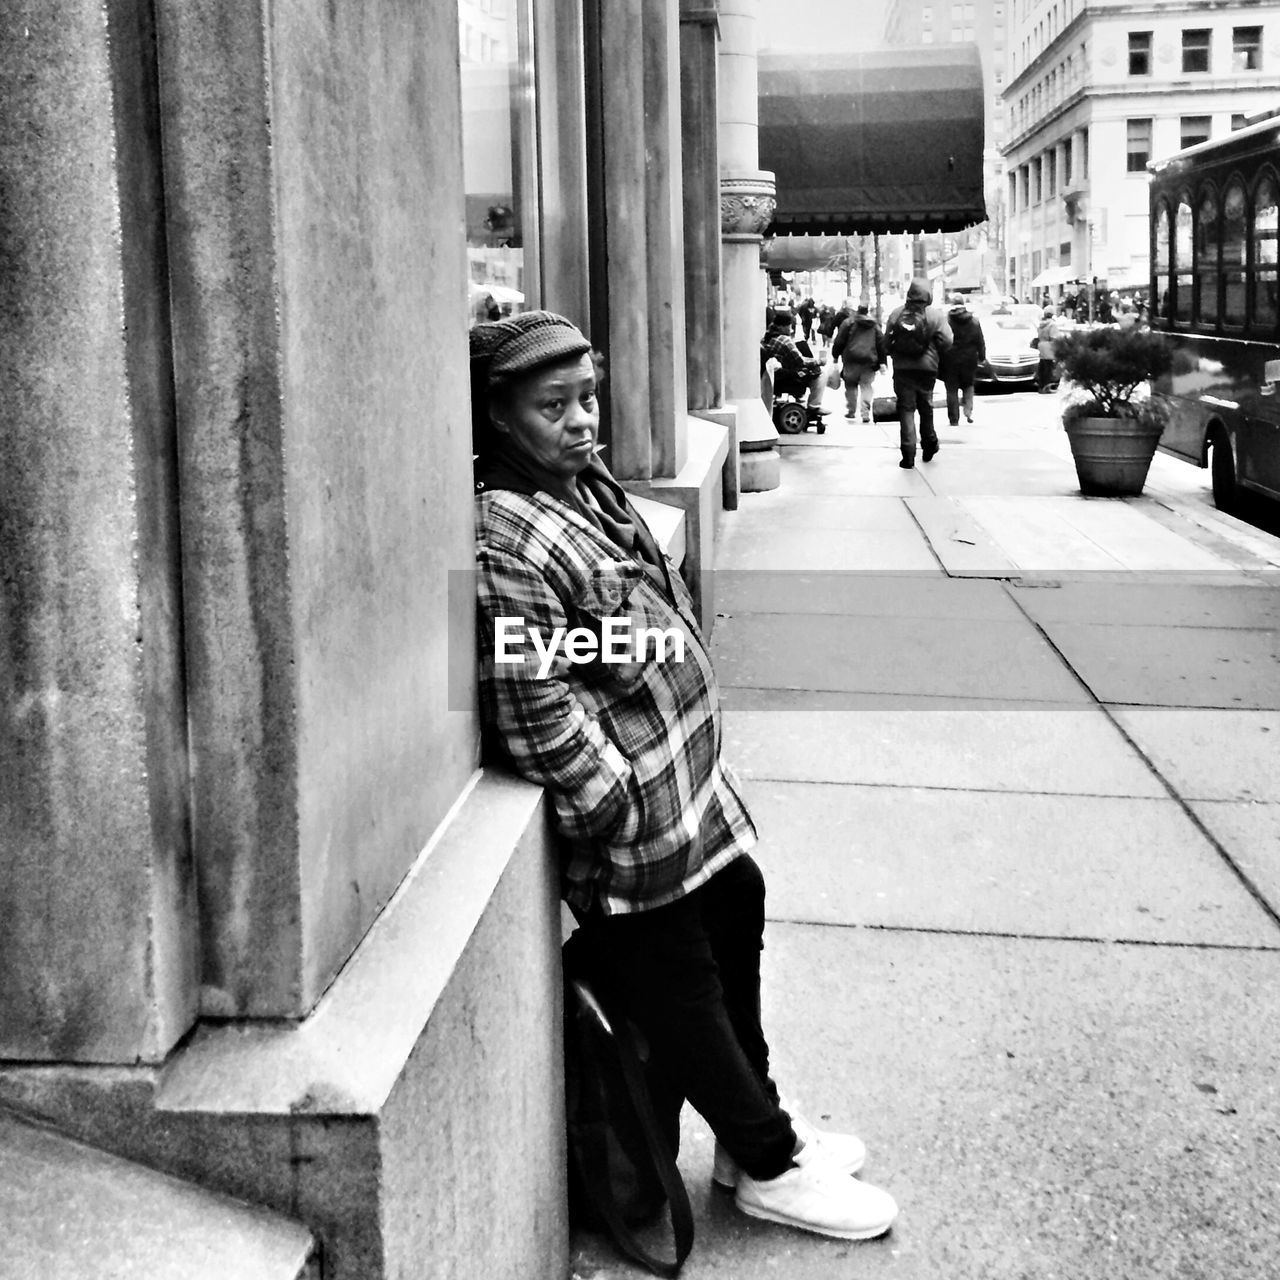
(1046, 374)
(913, 389)
(959, 392)
(690, 974)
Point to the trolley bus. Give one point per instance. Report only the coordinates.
(1214, 291)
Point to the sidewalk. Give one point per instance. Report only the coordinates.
(1014, 756)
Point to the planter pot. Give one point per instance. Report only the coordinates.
(1112, 455)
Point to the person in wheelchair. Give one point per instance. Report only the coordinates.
(800, 375)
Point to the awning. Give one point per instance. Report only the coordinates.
(883, 141)
(1052, 276)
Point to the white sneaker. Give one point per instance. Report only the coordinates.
(843, 1150)
(815, 1196)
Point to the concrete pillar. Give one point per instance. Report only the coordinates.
(747, 205)
(314, 234)
(700, 152)
(98, 938)
(639, 70)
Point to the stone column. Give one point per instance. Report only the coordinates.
(98, 934)
(324, 467)
(639, 69)
(747, 204)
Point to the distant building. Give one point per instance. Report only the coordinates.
(1092, 94)
(983, 23)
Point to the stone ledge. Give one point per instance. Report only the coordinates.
(74, 1212)
(698, 491)
(440, 1039)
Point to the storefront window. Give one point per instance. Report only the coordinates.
(499, 157)
(1182, 239)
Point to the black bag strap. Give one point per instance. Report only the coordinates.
(593, 1158)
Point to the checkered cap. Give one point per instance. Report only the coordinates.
(523, 342)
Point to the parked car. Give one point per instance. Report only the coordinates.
(1009, 330)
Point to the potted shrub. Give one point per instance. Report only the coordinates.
(1112, 421)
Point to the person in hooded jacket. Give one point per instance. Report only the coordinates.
(916, 335)
(959, 364)
(861, 345)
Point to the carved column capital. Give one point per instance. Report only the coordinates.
(747, 203)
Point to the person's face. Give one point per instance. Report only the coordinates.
(551, 415)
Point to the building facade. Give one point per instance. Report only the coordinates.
(1094, 91)
(269, 925)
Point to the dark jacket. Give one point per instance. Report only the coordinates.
(826, 321)
(968, 347)
(860, 342)
(920, 298)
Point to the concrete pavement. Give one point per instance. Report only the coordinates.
(1014, 756)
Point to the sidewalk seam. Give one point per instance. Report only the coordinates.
(1194, 818)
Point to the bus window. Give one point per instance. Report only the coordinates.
(1233, 255)
(1264, 255)
(1207, 230)
(1182, 260)
(1164, 242)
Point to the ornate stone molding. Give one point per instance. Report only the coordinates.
(747, 203)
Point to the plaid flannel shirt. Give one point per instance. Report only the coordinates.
(778, 346)
(629, 751)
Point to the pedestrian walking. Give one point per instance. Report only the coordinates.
(1047, 345)
(654, 836)
(807, 311)
(915, 336)
(826, 322)
(860, 345)
(958, 365)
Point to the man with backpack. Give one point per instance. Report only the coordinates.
(861, 345)
(915, 338)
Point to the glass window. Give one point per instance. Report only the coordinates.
(1051, 171)
(1035, 180)
(1246, 49)
(1138, 145)
(926, 37)
(1067, 175)
(1206, 246)
(1161, 267)
(499, 173)
(1139, 53)
(1194, 129)
(1084, 153)
(1237, 120)
(1195, 49)
(1233, 255)
(1265, 260)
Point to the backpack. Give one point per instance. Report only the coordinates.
(910, 335)
(621, 1170)
(861, 346)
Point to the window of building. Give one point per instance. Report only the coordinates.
(970, 12)
(1233, 255)
(1206, 246)
(1051, 172)
(1013, 193)
(1067, 175)
(1195, 49)
(926, 36)
(1246, 49)
(1237, 120)
(1194, 129)
(1138, 145)
(1139, 53)
(957, 35)
(1035, 180)
(1084, 155)
(1266, 305)
(499, 171)
(957, 13)
(926, 14)
(1182, 258)
(1064, 254)
(1037, 262)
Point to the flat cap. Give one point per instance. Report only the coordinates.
(524, 342)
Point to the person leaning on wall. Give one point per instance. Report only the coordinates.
(654, 836)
